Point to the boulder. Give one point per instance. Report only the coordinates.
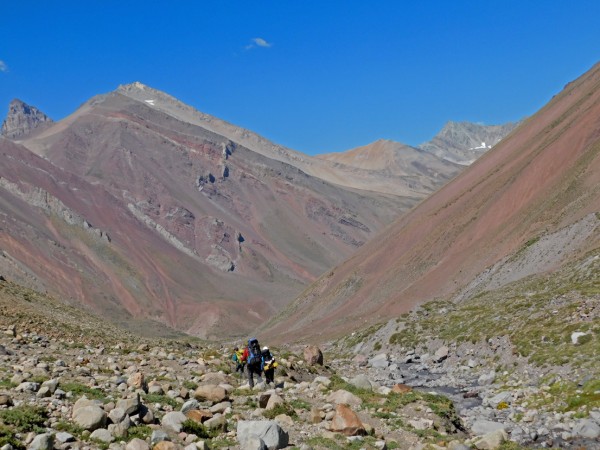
(347, 422)
(482, 427)
(268, 431)
(361, 381)
(313, 355)
(491, 440)
(502, 397)
(400, 388)
(89, 417)
(441, 354)
(274, 400)
(210, 392)
(165, 445)
(198, 415)
(189, 405)
(137, 444)
(253, 442)
(62, 437)
(173, 421)
(102, 435)
(587, 429)
(137, 381)
(5, 400)
(341, 396)
(380, 361)
(130, 405)
(218, 422)
(43, 441)
(487, 378)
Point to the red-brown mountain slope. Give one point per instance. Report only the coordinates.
(206, 235)
(543, 177)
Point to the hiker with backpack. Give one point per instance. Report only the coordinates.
(269, 366)
(237, 358)
(254, 361)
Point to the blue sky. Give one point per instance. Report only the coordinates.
(316, 76)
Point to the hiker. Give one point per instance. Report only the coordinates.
(254, 361)
(237, 357)
(270, 364)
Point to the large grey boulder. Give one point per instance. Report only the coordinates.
(130, 405)
(380, 361)
(173, 421)
(481, 427)
(491, 441)
(342, 396)
(361, 381)
(587, 429)
(268, 431)
(102, 435)
(43, 441)
(89, 417)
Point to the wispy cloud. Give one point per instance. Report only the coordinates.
(3, 66)
(258, 42)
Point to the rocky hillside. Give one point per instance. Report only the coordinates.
(22, 120)
(72, 381)
(392, 167)
(464, 142)
(131, 209)
(528, 207)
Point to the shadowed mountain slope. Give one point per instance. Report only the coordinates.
(392, 167)
(539, 184)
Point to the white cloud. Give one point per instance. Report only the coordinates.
(3, 66)
(258, 42)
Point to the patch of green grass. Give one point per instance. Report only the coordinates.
(300, 404)
(8, 437)
(68, 427)
(365, 395)
(192, 427)
(282, 408)
(7, 384)
(25, 418)
(359, 336)
(139, 432)
(79, 390)
(377, 346)
(162, 399)
(190, 385)
(222, 442)
(538, 314)
(38, 379)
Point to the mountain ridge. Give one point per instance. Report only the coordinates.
(540, 179)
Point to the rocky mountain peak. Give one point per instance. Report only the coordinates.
(464, 142)
(22, 119)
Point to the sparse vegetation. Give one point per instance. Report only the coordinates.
(25, 418)
(79, 390)
(282, 408)
(192, 427)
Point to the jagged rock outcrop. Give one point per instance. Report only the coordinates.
(464, 142)
(22, 119)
